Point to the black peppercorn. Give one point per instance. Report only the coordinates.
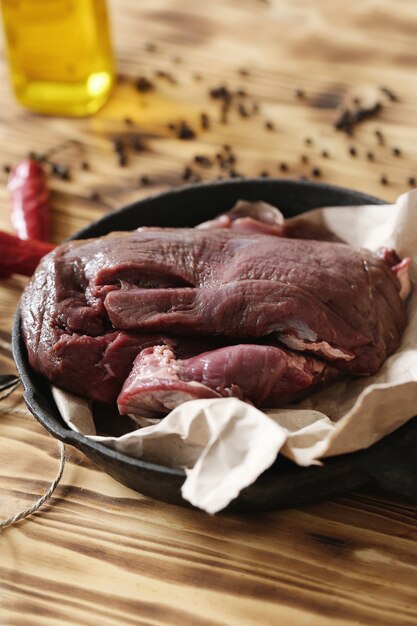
(62, 171)
(379, 136)
(205, 121)
(94, 196)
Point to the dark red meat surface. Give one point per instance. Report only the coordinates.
(220, 310)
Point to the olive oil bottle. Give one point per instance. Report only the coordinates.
(60, 54)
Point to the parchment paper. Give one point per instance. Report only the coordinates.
(225, 444)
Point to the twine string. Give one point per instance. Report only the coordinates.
(10, 390)
(13, 519)
(40, 501)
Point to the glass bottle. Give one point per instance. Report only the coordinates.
(60, 54)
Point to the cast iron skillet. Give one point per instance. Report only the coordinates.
(391, 463)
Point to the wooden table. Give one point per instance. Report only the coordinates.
(99, 553)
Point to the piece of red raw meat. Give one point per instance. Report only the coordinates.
(226, 299)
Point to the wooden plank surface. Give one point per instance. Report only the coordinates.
(99, 552)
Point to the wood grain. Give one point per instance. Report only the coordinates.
(98, 552)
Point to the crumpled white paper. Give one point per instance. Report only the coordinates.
(225, 444)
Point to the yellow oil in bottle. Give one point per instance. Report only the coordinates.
(60, 54)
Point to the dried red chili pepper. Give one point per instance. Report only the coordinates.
(19, 256)
(30, 200)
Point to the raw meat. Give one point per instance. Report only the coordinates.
(159, 382)
(246, 305)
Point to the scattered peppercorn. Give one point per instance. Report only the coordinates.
(128, 121)
(144, 180)
(304, 158)
(352, 151)
(411, 181)
(122, 159)
(204, 121)
(233, 174)
(370, 156)
(396, 152)
(166, 76)
(220, 93)
(379, 136)
(383, 180)
(202, 160)
(243, 71)
(345, 122)
(119, 149)
(299, 93)
(187, 173)
(316, 172)
(283, 167)
(183, 130)
(94, 196)
(348, 119)
(324, 154)
(225, 163)
(242, 93)
(357, 101)
(62, 171)
(269, 125)
(242, 110)
(391, 95)
(308, 141)
(144, 85)
(7, 169)
(226, 159)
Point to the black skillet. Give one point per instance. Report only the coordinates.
(391, 463)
